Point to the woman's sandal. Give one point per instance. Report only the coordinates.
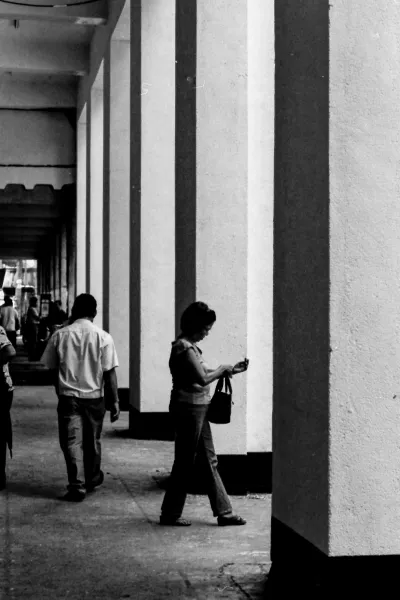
(231, 520)
(176, 522)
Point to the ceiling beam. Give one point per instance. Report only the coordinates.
(41, 57)
(91, 14)
(8, 211)
(26, 224)
(99, 45)
(21, 233)
(35, 92)
(18, 252)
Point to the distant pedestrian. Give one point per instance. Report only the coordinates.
(9, 320)
(7, 353)
(190, 399)
(57, 316)
(31, 328)
(83, 360)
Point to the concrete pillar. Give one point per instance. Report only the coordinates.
(81, 203)
(63, 265)
(336, 407)
(116, 218)
(95, 214)
(57, 266)
(72, 256)
(225, 125)
(152, 207)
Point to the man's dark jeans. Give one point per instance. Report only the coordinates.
(80, 422)
(193, 436)
(6, 399)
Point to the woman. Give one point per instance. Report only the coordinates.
(32, 327)
(7, 353)
(190, 397)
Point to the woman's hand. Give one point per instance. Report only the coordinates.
(240, 367)
(227, 370)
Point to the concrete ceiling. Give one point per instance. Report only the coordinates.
(44, 52)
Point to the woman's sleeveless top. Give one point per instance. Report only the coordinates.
(184, 389)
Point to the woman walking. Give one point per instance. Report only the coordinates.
(190, 398)
(7, 353)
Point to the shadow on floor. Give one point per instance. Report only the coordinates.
(31, 490)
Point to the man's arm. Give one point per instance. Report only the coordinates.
(111, 392)
(54, 379)
(7, 353)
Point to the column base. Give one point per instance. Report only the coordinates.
(150, 426)
(241, 473)
(298, 566)
(123, 395)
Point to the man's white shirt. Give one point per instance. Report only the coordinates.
(82, 353)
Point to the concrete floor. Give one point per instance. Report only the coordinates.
(111, 545)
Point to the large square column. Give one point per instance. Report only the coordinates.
(94, 277)
(152, 294)
(116, 313)
(81, 201)
(63, 265)
(336, 402)
(224, 210)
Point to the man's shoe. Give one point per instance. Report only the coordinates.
(91, 486)
(74, 496)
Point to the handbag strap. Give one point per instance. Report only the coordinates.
(220, 384)
(224, 381)
(228, 385)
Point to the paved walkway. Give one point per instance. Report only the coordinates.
(111, 545)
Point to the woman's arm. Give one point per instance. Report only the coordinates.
(198, 373)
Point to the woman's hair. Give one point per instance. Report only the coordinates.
(7, 301)
(197, 316)
(85, 305)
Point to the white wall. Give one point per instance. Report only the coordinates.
(222, 227)
(81, 205)
(365, 277)
(157, 203)
(96, 194)
(260, 28)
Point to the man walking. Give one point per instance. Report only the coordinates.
(83, 359)
(9, 320)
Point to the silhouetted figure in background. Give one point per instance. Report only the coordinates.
(83, 360)
(9, 320)
(7, 353)
(31, 328)
(57, 316)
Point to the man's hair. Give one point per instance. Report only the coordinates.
(33, 301)
(85, 305)
(196, 317)
(8, 301)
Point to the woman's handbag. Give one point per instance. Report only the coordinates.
(219, 410)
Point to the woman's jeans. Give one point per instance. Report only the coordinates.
(193, 436)
(80, 424)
